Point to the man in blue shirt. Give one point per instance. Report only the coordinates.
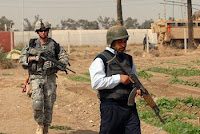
(114, 86)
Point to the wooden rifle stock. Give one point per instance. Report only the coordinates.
(138, 86)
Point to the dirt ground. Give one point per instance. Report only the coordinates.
(77, 105)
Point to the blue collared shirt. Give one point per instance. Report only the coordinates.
(98, 77)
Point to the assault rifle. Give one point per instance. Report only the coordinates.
(47, 56)
(138, 86)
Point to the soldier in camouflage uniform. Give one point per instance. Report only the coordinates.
(42, 74)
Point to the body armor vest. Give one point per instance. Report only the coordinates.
(121, 91)
(35, 48)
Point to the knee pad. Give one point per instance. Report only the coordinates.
(38, 104)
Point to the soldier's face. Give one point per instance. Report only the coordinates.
(120, 45)
(43, 33)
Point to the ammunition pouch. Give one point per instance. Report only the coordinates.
(33, 66)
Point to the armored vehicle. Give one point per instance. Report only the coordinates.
(171, 33)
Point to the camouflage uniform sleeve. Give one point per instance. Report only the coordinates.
(63, 57)
(23, 60)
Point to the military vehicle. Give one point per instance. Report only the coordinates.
(171, 33)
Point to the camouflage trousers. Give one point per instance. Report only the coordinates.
(43, 96)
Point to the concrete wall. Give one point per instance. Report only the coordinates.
(85, 37)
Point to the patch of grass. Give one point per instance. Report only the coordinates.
(175, 119)
(196, 62)
(176, 63)
(175, 72)
(167, 104)
(180, 127)
(6, 74)
(60, 127)
(3, 56)
(191, 102)
(79, 79)
(86, 74)
(144, 74)
(174, 80)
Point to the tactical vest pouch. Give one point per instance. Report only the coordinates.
(33, 66)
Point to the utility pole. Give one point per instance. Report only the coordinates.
(190, 25)
(23, 20)
(164, 9)
(119, 13)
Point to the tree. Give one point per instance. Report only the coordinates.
(85, 24)
(130, 23)
(146, 24)
(4, 22)
(119, 13)
(69, 24)
(56, 28)
(190, 26)
(171, 18)
(106, 22)
(28, 26)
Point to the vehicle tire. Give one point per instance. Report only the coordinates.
(179, 44)
(197, 42)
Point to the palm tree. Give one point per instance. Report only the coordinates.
(119, 13)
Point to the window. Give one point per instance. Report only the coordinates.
(171, 24)
(181, 24)
(198, 24)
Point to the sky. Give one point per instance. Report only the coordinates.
(56, 10)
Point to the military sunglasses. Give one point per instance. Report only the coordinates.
(44, 30)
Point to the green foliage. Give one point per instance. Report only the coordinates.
(3, 21)
(60, 127)
(3, 56)
(146, 24)
(144, 75)
(191, 102)
(79, 78)
(87, 74)
(197, 62)
(176, 63)
(177, 81)
(179, 127)
(167, 104)
(6, 74)
(175, 122)
(176, 72)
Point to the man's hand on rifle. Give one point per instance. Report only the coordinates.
(49, 64)
(125, 79)
(34, 58)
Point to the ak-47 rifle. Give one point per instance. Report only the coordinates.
(138, 86)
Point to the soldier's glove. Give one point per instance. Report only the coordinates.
(34, 58)
(48, 64)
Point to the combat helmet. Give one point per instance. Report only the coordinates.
(115, 33)
(42, 24)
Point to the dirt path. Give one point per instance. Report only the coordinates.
(77, 105)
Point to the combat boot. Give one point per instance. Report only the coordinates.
(46, 127)
(40, 128)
